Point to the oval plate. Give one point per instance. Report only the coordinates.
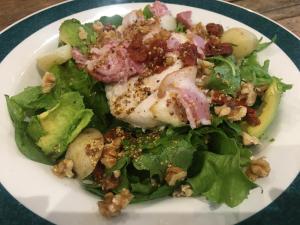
(63, 201)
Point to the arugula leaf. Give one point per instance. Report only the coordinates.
(262, 46)
(180, 28)
(252, 71)
(147, 12)
(282, 87)
(141, 188)
(221, 179)
(115, 20)
(225, 75)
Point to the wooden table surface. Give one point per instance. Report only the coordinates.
(286, 12)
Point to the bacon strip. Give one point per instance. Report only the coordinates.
(185, 18)
(159, 9)
(195, 103)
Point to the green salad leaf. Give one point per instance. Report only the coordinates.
(225, 75)
(221, 179)
(25, 144)
(252, 71)
(175, 150)
(180, 28)
(115, 20)
(147, 12)
(160, 192)
(70, 78)
(77, 35)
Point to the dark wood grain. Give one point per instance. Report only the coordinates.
(286, 12)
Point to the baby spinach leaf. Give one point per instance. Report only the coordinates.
(160, 192)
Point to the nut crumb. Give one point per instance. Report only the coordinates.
(257, 169)
(48, 82)
(174, 174)
(82, 33)
(113, 204)
(237, 113)
(223, 110)
(184, 191)
(249, 140)
(64, 168)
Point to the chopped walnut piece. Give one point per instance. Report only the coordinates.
(48, 82)
(249, 92)
(237, 113)
(184, 191)
(174, 174)
(113, 204)
(199, 29)
(64, 168)
(110, 151)
(223, 110)
(97, 26)
(249, 140)
(82, 33)
(109, 183)
(117, 173)
(258, 168)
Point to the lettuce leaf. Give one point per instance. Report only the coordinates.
(115, 20)
(70, 78)
(221, 179)
(24, 143)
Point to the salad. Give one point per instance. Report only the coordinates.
(150, 105)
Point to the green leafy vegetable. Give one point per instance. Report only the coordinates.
(70, 78)
(147, 12)
(161, 192)
(180, 28)
(77, 35)
(252, 71)
(176, 150)
(262, 46)
(225, 75)
(25, 144)
(221, 179)
(115, 20)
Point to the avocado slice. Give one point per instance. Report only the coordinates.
(54, 129)
(268, 109)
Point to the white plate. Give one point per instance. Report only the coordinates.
(63, 201)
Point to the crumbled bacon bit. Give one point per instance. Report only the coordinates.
(157, 55)
(214, 29)
(251, 117)
(188, 54)
(136, 50)
(214, 47)
(219, 98)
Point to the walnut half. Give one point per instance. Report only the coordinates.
(48, 82)
(64, 168)
(113, 204)
(174, 174)
(257, 169)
